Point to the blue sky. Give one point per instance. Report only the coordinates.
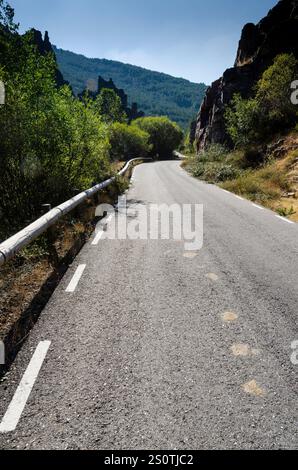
(194, 39)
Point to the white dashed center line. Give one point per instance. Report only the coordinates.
(18, 403)
(97, 237)
(76, 277)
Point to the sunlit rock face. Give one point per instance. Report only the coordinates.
(259, 45)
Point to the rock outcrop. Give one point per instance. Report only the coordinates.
(258, 46)
(44, 47)
(132, 111)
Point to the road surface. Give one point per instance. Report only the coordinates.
(147, 346)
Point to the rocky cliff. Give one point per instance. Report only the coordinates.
(44, 47)
(94, 90)
(258, 46)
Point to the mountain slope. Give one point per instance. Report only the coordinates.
(156, 93)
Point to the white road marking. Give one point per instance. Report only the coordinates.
(98, 237)
(233, 194)
(18, 403)
(100, 233)
(257, 206)
(76, 277)
(284, 219)
(108, 220)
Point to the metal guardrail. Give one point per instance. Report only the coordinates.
(179, 155)
(10, 247)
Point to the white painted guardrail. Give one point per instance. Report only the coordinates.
(10, 247)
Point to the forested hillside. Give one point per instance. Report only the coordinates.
(156, 93)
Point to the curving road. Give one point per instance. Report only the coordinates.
(155, 347)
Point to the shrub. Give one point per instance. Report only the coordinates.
(249, 121)
(242, 121)
(213, 153)
(226, 172)
(253, 157)
(108, 105)
(128, 142)
(273, 93)
(165, 135)
(50, 142)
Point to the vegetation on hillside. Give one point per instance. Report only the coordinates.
(164, 135)
(53, 143)
(270, 110)
(253, 168)
(127, 142)
(156, 93)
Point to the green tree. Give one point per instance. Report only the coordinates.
(7, 17)
(165, 135)
(50, 142)
(242, 120)
(273, 92)
(108, 105)
(250, 121)
(127, 142)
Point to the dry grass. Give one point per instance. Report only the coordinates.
(27, 281)
(270, 186)
(271, 180)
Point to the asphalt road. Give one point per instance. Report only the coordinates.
(155, 347)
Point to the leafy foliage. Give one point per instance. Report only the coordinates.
(50, 142)
(128, 142)
(249, 121)
(242, 120)
(273, 93)
(7, 17)
(156, 93)
(109, 106)
(213, 165)
(165, 135)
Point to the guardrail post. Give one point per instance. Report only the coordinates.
(51, 238)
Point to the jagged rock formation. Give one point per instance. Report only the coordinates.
(258, 46)
(44, 47)
(131, 112)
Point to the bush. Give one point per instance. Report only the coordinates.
(108, 105)
(213, 153)
(165, 135)
(242, 121)
(273, 93)
(226, 172)
(253, 157)
(250, 121)
(128, 142)
(50, 142)
(212, 164)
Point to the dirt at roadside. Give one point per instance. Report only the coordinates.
(28, 281)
